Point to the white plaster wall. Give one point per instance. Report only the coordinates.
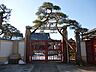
(83, 51)
(21, 48)
(5, 48)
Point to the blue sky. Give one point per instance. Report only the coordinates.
(23, 12)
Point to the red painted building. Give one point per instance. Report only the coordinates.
(90, 41)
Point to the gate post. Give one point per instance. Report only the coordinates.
(64, 46)
(78, 45)
(27, 43)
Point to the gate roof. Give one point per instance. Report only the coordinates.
(40, 36)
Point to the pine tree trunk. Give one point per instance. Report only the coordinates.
(78, 45)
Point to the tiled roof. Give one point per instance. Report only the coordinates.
(40, 36)
(90, 34)
(90, 31)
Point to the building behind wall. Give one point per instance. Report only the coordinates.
(90, 43)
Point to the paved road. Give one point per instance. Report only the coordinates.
(43, 67)
(46, 67)
(16, 68)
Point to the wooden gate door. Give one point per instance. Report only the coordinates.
(38, 50)
(55, 51)
(45, 51)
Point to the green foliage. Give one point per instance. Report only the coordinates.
(47, 5)
(6, 12)
(55, 7)
(10, 31)
(7, 30)
(41, 17)
(37, 23)
(49, 14)
(61, 14)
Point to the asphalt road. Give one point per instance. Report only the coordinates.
(46, 67)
